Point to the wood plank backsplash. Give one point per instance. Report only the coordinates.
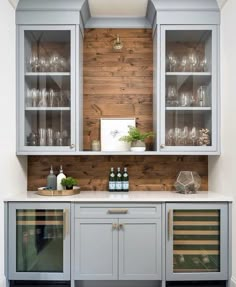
(117, 84)
(146, 172)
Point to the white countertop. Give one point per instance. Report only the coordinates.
(131, 196)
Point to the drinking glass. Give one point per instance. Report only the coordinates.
(42, 136)
(170, 137)
(58, 138)
(184, 99)
(184, 63)
(34, 95)
(43, 64)
(203, 65)
(172, 60)
(43, 94)
(185, 135)
(34, 63)
(50, 139)
(54, 63)
(177, 135)
(171, 96)
(193, 136)
(202, 96)
(193, 61)
(51, 98)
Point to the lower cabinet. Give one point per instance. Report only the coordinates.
(118, 248)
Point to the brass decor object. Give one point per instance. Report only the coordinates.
(188, 182)
(117, 44)
(66, 192)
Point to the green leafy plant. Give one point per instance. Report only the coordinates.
(134, 135)
(69, 182)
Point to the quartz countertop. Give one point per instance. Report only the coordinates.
(123, 197)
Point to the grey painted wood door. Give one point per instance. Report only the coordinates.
(96, 244)
(139, 249)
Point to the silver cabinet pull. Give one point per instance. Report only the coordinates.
(118, 210)
(65, 222)
(72, 146)
(170, 224)
(162, 146)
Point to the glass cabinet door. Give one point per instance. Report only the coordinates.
(47, 92)
(40, 241)
(188, 88)
(195, 244)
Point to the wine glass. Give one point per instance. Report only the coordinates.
(184, 63)
(185, 135)
(203, 65)
(177, 135)
(34, 63)
(172, 60)
(193, 135)
(170, 137)
(171, 95)
(193, 61)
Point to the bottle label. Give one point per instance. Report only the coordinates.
(112, 185)
(118, 185)
(125, 185)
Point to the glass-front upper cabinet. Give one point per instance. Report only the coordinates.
(46, 88)
(39, 241)
(189, 93)
(196, 241)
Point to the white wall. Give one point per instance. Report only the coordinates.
(12, 169)
(222, 170)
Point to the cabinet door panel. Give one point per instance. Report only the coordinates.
(196, 241)
(140, 249)
(96, 243)
(189, 99)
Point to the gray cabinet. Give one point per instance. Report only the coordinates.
(96, 242)
(117, 242)
(46, 88)
(197, 241)
(189, 88)
(38, 241)
(139, 249)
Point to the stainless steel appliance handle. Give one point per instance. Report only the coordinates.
(170, 224)
(65, 222)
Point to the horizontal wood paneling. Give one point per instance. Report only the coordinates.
(146, 172)
(117, 84)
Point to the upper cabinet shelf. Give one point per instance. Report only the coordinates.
(36, 74)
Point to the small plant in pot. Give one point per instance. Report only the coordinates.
(69, 182)
(136, 139)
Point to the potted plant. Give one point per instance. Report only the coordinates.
(136, 139)
(69, 182)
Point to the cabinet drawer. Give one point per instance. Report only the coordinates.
(117, 211)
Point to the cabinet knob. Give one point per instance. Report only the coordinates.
(162, 146)
(114, 226)
(121, 225)
(72, 146)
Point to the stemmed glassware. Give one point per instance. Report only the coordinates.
(193, 61)
(172, 60)
(184, 63)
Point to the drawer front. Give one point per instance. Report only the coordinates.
(117, 210)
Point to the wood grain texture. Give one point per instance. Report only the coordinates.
(147, 173)
(117, 84)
